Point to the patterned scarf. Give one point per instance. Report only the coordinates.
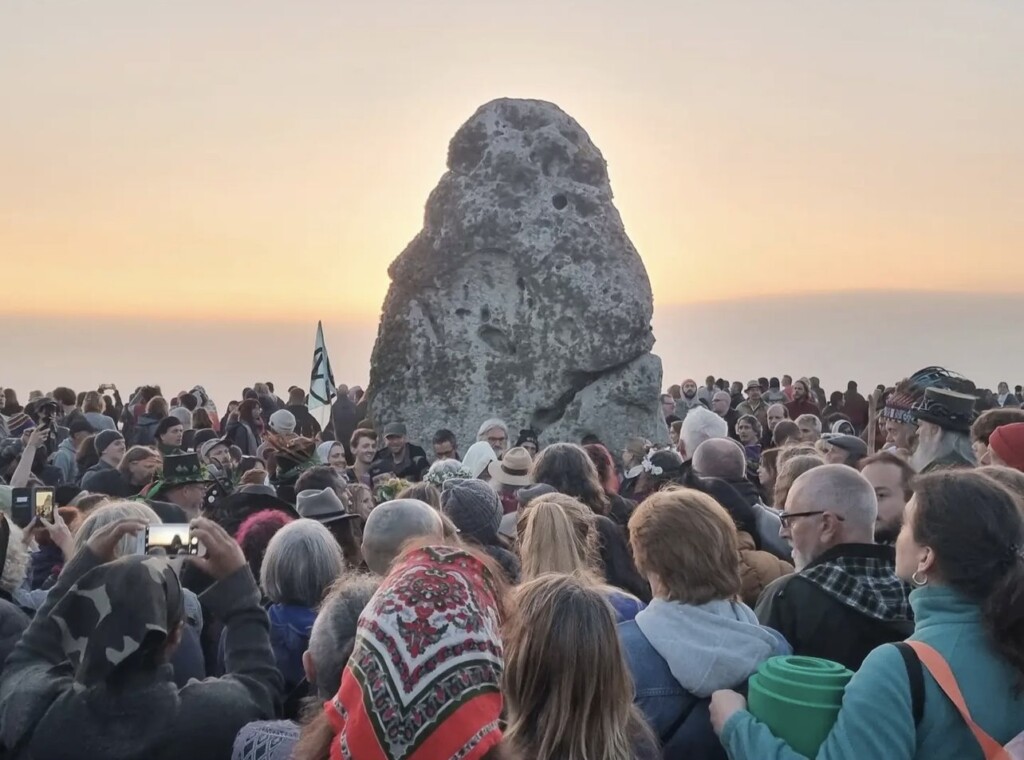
(423, 682)
(109, 613)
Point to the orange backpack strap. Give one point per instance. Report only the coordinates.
(939, 668)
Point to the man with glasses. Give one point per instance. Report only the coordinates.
(495, 432)
(845, 599)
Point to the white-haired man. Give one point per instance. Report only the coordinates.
(944, 420)
(845, 599)
(494, 432)
(700, 425)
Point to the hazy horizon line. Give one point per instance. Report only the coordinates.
(292, 318)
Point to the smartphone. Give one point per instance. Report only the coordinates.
(21, 506)
(173, 538)
(42, 499)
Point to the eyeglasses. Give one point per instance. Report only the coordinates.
(787, 517)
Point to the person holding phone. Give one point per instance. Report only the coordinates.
(105, 688)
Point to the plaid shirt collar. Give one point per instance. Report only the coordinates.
(862, 576)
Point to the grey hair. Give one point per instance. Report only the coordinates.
(16, 565)
(490, 424)
(701, 425)
(302, 560)
(950, 442)
(722, 394)
(720, 458)
(448, 466)
(393, 523)
(811, 420)
(334, 633)
(840, 489)
(111, 513)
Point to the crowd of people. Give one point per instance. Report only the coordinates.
(249, 584)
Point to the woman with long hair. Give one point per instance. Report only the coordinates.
(569, 692)
(619, 508)
(567, 468)
(558, 534)
(201, 419)
(245, 431)
(960, 547)
(768, 472)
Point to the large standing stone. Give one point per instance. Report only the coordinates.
(522, 297)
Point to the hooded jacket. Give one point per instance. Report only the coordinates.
(290, 628)
(145, 431)
(64, 460)
(841, 606)
(679, 654)
(44, 713)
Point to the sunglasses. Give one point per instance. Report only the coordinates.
(787, 517)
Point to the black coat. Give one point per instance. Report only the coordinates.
(818, 624)
(44, 715)
(306, 424)
(412, 470)
(344, 419)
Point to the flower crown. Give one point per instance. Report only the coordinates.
(438, 477)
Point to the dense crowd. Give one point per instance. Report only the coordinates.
(179, 581)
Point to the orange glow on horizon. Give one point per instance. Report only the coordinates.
(191, 163)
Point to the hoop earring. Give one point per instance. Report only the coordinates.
(922, 581)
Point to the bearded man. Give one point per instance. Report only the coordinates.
(944, 420)
(688, 400)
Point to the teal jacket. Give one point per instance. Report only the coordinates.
(876, 719)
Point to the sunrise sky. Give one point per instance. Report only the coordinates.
(257, 158)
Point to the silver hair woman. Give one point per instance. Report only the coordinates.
(302, 561)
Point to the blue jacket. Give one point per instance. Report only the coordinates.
(290, 627)
(877, 721)
(692, 655)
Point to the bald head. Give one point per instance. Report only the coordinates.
(843, 491)
(720, 458)
(393, 523)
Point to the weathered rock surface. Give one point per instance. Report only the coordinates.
(522, 297)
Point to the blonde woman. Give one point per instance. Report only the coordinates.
(568, 692)
(558, 534)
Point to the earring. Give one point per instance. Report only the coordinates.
(923, 580)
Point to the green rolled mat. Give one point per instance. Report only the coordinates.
(798, 698)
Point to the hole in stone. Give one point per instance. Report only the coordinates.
(520, 283)
(496, 339)
(462, 312)
(559, 202)
(485, 313)
(529, 302)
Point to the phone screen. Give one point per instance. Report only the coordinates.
(44, 503)
(21, 506)
(174, 539)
